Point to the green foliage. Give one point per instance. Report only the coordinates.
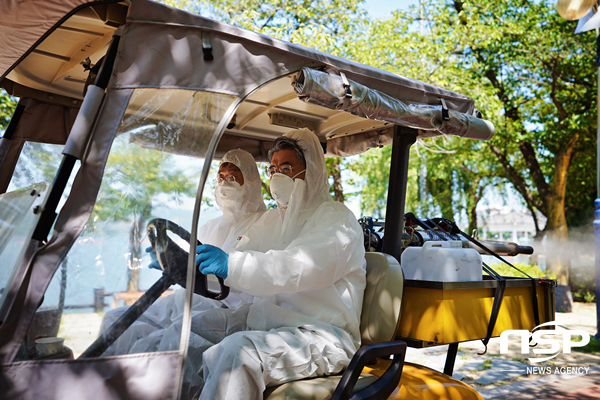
(372, 171)
(318, 24)
(543, 80)
(530, 269)
(583, 295)
(581, 186)
(133, 178)
(458, 171)
(265, 188)
(334, 170)
(37, 162)
(528, 74)
(7, 108)
(593, 347)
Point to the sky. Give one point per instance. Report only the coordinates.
(383, 8)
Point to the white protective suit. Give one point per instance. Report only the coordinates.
(306, 267)
(146, 333)
(238, 215)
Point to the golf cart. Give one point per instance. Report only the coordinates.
(123, 107)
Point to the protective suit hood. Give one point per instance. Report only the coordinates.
(238, 215)
(250, 201)
(317, 184)
(310, 193)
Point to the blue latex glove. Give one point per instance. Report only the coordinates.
(211, 260)
(154, 264)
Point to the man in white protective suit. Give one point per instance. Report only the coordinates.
(305, 264)
(238, 195)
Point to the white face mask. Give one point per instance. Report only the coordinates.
(281, 187)
(228, 191)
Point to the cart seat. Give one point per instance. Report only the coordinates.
(379, 320)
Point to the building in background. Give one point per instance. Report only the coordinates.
(513, 226)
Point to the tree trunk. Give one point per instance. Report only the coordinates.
(472, 213)
(557, 240)
(556, 225)
(473, 192)
(135, 255)
(338, 190)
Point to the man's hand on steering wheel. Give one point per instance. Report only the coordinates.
(211, 260)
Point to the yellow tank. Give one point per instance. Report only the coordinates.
(450, 312)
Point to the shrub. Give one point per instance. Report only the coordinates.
(530, 269)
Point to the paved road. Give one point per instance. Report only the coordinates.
(508, 376)
(585, 387)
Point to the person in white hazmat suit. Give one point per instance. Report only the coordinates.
(305, 264)
(238, 195)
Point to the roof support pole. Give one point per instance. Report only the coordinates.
(68, 162)
(396, 199)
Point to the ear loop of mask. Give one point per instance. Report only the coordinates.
(298, 173)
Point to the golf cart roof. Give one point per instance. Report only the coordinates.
(53, 45)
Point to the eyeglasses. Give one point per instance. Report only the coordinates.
(228, 178)
(286, 170)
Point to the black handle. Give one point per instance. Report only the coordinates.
(201, 288)
(382, 387)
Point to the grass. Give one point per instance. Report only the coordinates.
(530, 269)
(592, 347)
(583, 295)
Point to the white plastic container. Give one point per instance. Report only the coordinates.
(442, 262)
(48, 346)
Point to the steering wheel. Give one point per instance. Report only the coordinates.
(173, 259)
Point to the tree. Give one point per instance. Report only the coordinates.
(335, 171)
(7, 108)
(543, 77)
(371, 171)
(529, 75)
(134, 178)
(312, 23)
(450, 184)
(459, 171)
(517, 59)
